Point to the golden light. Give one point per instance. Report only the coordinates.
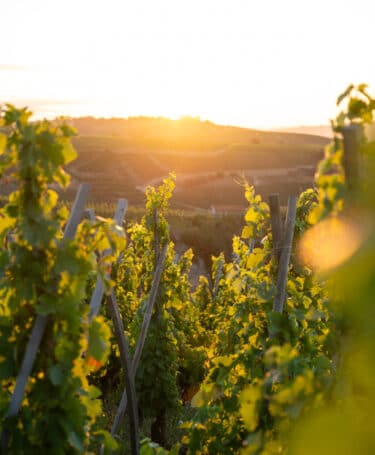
(330, 243)
(232, 62)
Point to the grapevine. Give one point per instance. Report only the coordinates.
(41, 275)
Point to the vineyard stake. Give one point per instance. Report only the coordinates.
(352, 157)
(97, 296)
(276, 226)
(282, 276)
(129, 377)
(218, 276)
(156, 237)
(120, 335)
(142, 337)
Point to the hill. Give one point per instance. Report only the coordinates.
(120, 157)
(318, 130)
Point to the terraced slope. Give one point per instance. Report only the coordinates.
(119, 157)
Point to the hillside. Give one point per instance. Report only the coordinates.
(318, 130)
(120, 157)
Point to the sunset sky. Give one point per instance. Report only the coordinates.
(265, 63)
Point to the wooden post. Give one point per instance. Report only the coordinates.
(277, 228)
(121, 208)
(76, 214)
(352, 156)
(219, 274)
(126, 365)
(251, 246)
(97, 296)
(148, 313)
(156, 237)
(40, 323)
(28, 360)
(90, 214)
(282, 276)
(121, 339)
(142, 338)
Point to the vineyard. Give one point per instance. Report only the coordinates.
(120, 157)
(106, 348)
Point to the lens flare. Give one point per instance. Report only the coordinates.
(330, 243)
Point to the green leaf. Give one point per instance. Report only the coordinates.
(99, 336)
(250, 399)
(75, 441)
(226, 361)
(55, 374)
(247, 232)
(344, 94)
(6, 367)
(356, 108)
(3, 142)
(252, 215)
(6, 223)
(68, 151)
(107, 440)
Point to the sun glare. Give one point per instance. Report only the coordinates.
(331, 243)
(232, 62)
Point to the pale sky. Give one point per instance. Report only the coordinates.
(265, 63)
